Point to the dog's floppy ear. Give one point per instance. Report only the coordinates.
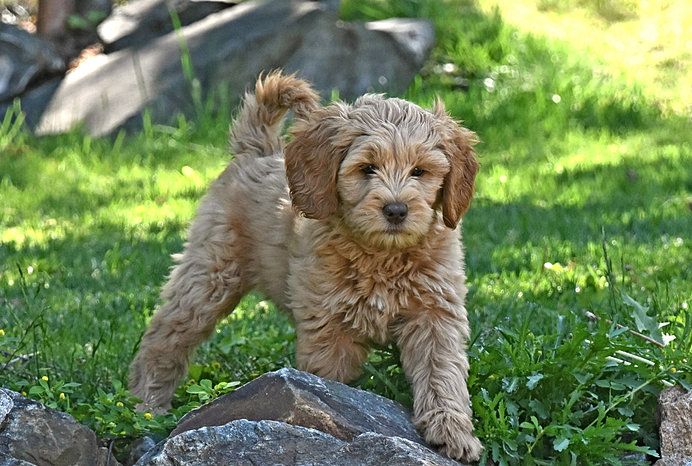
(458, 185)
(317, 148)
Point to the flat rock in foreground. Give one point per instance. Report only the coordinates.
(245, 442)
(293, 417)
(303, 399)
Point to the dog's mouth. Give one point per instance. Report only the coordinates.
(395, 230)
(400, 235)
(396, 238)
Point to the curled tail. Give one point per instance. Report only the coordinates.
(257, 128)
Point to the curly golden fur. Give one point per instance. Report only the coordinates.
(351, 228)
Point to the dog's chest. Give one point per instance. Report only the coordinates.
(369, 309)
(374, 294)
(333, 281)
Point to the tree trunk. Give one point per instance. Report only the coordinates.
(51, 21)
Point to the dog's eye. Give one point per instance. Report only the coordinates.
(369, 169)
(417, 171)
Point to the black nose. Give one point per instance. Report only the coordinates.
(395, 212)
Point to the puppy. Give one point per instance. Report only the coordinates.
(352, 228)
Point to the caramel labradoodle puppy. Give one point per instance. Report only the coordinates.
(352, 228)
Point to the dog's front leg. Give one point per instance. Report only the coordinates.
(434, 360)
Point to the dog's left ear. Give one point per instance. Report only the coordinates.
(459, 183)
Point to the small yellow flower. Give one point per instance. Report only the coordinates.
(119, 404)
(2, 333)
(23, 393)
(188, 172)
(673, 370)
(62, 396)
(147, 416)
(44, 378)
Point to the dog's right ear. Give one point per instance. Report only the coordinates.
(318, 146)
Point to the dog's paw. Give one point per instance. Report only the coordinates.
(452, 434)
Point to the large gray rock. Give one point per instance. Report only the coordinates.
(23, 58)
(246, 442)
(33, 434)
(675, 426)
(228, 50)
(303, 399)
(138, 22)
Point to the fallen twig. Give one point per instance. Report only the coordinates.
(593, 316)
(15, 358)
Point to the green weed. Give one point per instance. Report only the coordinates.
(11, 127)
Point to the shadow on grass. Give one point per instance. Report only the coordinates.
(637, 199)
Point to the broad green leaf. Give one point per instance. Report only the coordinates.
(643, 321)
(533, 380)
(560, 443)
(539, 408)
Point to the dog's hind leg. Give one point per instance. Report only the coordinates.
(204, 287)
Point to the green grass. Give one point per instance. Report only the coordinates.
(583, 203)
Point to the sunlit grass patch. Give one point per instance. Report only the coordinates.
(644, 41)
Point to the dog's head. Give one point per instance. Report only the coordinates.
(386, 167)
